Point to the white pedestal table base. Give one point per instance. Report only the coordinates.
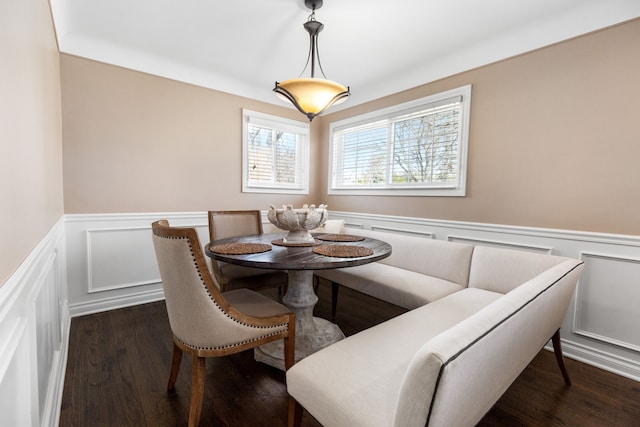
(312, 333)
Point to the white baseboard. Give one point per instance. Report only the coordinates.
(116, 302)
(605, 360)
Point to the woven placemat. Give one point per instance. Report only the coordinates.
(343, 251)
(239, 248)
(340, 238)
(281, 242)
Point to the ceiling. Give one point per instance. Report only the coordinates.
(377, 47)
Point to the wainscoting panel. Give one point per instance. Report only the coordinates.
(403, 231)
(498, 244)
(44, 303)
(607, 300)
(120, 258)
(112, 263)
(15, 393)
(34, 331)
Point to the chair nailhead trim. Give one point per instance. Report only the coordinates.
(196, 347)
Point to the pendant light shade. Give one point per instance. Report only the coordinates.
(312, 95)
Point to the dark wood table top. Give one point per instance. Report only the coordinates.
(297, 258)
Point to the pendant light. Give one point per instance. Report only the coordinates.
(312, 95)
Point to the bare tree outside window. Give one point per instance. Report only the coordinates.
(416, 148)
(275, 154)
(425, 148)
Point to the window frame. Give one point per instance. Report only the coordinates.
(457, 189)
(300, 128)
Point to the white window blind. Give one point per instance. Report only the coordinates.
(275, 154)
(418, 148)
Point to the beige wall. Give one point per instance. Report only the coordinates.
(554, 140)
(30, 130)
(139, 143)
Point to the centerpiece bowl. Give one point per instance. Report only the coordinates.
(298, 221)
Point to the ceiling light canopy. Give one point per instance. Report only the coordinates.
(312, 95)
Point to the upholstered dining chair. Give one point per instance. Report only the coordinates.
(223, 224)
(206, 322)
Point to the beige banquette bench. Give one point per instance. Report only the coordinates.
(418, 271)
(477, 319)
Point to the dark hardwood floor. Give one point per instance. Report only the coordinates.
(118, 366)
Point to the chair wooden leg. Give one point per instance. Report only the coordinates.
(295, 413)
(290, 345)
(175, 367)
(557, 349)
(197, 390)
(335, 287)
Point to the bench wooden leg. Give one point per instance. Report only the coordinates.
(335, 287)
(557, 349)
(295, 413)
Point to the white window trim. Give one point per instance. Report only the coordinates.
(456, 190)
(295, 126)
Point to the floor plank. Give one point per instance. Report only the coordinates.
(118, 367)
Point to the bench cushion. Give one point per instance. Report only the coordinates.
(445, 260)
(401, 287)
(336, 384)
(502, 270)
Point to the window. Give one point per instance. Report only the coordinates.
(275, 154)
(414, 149)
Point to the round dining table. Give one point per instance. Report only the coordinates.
(268, 251)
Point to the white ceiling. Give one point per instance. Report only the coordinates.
(377, 47)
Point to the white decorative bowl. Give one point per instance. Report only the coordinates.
(298, 221)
